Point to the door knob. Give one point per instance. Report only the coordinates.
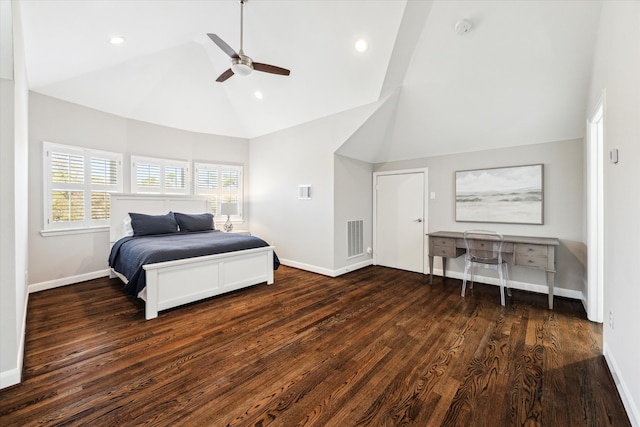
(418, 220)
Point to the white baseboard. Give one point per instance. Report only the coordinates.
(353, 267)
(10, 377)
(627, 399)
(14, 376)
(326, 271)
(525, 286)
(64, 281)
(514, 284)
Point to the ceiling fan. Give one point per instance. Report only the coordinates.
(240, 63)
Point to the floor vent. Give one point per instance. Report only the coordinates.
(354, 238)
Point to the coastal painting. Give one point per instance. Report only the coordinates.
(506, 195)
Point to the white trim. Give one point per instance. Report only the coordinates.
(50, 233)
(595, 215)
(64, 281)
(10, 377)
(325, 271)
(87, 187)
(352, 267)
(625, 395)
(425, 211)
(514, 284)
(14, 376)
(162, 163)
(220, 193)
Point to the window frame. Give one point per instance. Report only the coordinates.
(86, 187)
(219, 192)
(163, 164)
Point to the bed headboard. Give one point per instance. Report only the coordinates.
(151, 204)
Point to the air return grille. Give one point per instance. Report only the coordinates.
(354, 238)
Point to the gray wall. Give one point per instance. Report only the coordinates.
(301, 230)
(304, 231)
(616, 70)
(353, 200)
(58, 260)
(14, 104)
(563, 201)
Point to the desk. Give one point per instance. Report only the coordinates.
(532, 252)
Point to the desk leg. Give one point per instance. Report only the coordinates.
(431, 269)
(551, 277)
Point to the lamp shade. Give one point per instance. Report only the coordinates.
(229, 209)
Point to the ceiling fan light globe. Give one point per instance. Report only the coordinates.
(241, 66)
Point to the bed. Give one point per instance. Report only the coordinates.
(168, 284)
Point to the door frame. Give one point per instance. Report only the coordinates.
(595, 212)
(425, 210)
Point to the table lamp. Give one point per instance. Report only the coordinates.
(228, 209)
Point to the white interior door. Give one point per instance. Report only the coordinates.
(400, 221)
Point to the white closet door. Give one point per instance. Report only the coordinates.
(400, 221)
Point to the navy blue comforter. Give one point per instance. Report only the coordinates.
(129, 254)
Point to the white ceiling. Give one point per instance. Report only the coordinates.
(165, 71)
(520, 76)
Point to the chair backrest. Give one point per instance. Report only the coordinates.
(483, 246)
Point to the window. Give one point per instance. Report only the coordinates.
(221, 184)
(78, 182)
(162, 176)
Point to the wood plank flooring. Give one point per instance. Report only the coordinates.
(375, 347)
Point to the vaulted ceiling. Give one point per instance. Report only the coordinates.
(520, 75)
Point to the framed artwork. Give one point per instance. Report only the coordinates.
(507, 195)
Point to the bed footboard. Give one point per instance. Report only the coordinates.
(174, 283)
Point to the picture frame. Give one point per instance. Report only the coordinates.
(512, 195)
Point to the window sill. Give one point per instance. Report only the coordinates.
(69, 231)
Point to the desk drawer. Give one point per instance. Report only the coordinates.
(444, 247)
(531, 255)
(445, 251)
(442, 242)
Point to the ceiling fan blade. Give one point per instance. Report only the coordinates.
(224, 76)
(266, 68)
(223, 45)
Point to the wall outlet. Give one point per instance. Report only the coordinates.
(611, 319)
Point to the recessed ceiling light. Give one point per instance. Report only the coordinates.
(258, 94)
(116, 40)
(361, 45)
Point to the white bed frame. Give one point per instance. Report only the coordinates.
(174, 283)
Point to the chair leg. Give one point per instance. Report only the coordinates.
(501, 284)
(506, 275)
(464, 279)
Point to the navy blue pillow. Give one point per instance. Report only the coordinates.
(194, 222)
(144, 225)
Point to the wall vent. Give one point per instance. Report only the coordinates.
(354, 238)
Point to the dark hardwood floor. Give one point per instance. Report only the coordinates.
(373, 347)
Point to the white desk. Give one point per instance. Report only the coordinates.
(526, 251)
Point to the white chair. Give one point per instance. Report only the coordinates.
(485, 248)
